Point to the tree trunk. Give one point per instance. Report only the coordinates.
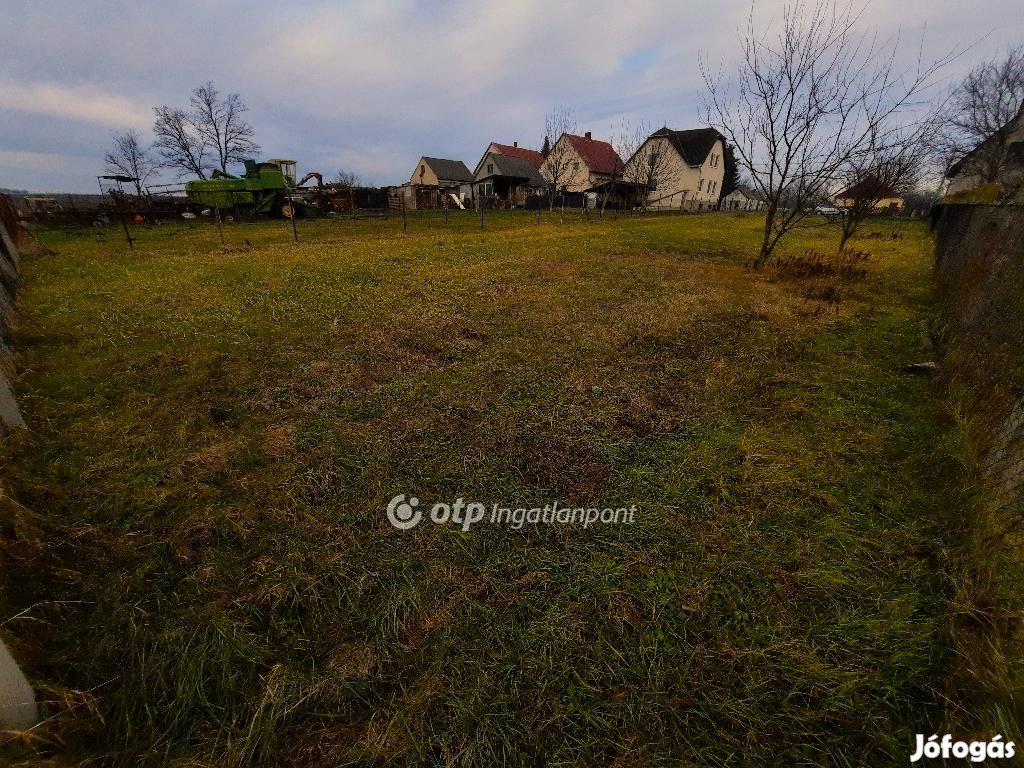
(766, 239)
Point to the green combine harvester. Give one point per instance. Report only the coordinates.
(267, 189)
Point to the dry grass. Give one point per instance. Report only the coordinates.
(216, 432)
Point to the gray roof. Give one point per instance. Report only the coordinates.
(449, 170)
(693, 145)
(512, 167)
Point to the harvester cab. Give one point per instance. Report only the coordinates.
(288, 169)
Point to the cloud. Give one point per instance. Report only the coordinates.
(373, 86)
(79, 103)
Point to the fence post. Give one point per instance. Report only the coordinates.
(294, 210)
(220, 228)
(405, 226)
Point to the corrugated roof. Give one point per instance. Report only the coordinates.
(512, 167)
(449, 170)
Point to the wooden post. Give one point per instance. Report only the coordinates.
(220, 228)
(294, 210)
(124, 221)
(405, 226)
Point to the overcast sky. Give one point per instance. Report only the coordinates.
(372, 86)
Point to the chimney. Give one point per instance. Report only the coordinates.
(515, 143)
(586, 135)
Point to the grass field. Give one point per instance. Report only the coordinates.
(205, 574)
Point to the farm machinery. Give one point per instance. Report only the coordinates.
(269, 189)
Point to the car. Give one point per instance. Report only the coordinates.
(829, 211)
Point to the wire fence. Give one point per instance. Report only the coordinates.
(217, 229)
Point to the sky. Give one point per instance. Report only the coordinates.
(370, 87)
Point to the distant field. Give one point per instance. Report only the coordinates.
(216, 432)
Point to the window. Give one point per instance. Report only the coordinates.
(490, 167)
(575, 166)
(700, 185)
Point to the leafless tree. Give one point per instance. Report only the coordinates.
(128, 157)
(346, 178)
(624, 140)
(806, 102)
(179, 145)
(975, 110)
(212, 134)
(650, 167)
(558, 169)
(220, 121)
(891, 170)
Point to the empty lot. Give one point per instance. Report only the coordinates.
(208, 576)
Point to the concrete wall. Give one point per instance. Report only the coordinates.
(17, 702)
(979, 278)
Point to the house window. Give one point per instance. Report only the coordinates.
(490, 167)
(700, 185)
(575, 166)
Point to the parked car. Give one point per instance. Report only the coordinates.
(829, 211)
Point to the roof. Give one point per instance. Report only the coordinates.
(692, 145)
(449, 170)
(599, 156)
(532, 155)
(512, 167)
(956, 167)
(869, 187)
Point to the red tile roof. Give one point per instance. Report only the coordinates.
(522, 153)
(599, 156)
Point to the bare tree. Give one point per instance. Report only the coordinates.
(346, 178)
(976, 110)
(214, 129)
(129, 157)
(889, 171)
(557, 169)
(807, 102)
(650, 167)
(623, 143)
(179, 145)
(220, 122)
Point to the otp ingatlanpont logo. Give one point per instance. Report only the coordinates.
(402, 514)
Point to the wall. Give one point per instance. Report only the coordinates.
(979, 286)
(17, 701)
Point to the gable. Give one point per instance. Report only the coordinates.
(445, 170)
(694, 145)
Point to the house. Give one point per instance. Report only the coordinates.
(742, 199)
(434, 180)
(870, 188)
(581, 164)
(507, 175)
(535, 158)
(681, 170)
(999, 160)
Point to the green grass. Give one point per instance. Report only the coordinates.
(216, 431)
